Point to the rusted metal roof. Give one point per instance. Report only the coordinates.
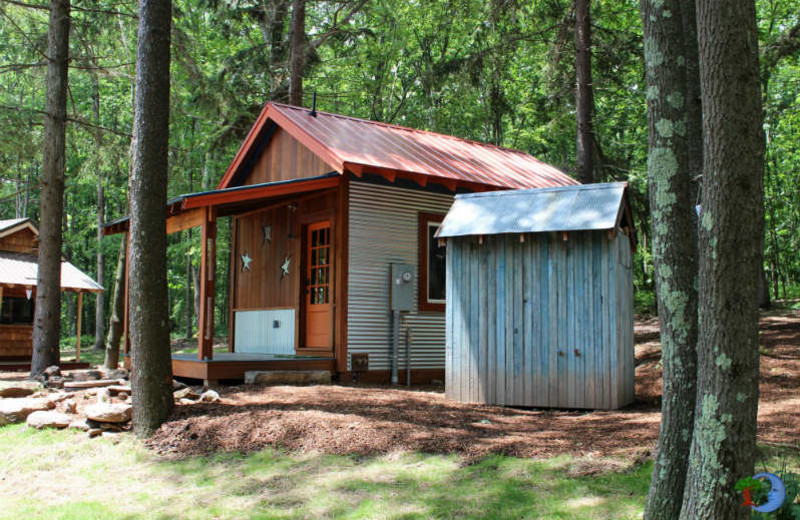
(22, 269)
(569, 208)
(362, 146)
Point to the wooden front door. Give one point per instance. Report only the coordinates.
(319, 296)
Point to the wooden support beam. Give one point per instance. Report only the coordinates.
(78, 329)
(186, 220)
(208, 263)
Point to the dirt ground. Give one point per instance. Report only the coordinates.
(370, 419)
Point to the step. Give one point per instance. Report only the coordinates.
(287, 377)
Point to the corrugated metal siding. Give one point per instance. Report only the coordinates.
(518, 312)
(383, 228)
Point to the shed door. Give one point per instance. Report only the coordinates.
(319, 297)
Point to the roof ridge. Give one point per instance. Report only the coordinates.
(506, 193)
(408, 129)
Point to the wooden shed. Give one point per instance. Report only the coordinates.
(19, 266)
(540, 297)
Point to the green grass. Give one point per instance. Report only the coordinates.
(88, 353)
(63, 474)
(50, 474)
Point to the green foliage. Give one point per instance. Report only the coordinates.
(500, 71)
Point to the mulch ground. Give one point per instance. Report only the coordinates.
(368, 420)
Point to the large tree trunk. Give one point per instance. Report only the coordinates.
(149, 316)
(99, 309)
(674, 243)
(584, 97)
(297, 52)
(116, 326)
(47, 320)
(731, 242)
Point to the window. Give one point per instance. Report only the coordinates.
(431, 264)
(16, 311)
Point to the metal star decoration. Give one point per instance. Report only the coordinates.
(285, 266)
(246, 262)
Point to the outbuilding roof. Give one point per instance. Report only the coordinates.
(568, 208)
(363, 146)
(22, 269)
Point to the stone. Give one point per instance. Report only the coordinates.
(18, 388)
(103, 396)
(70, 406)
(17, 410)
(57, 397)
(108, 413)
(116, 389)
(186, 393)
(123, 396)
(52, 371)
(114, 373)
(79, 424)
(187, 401)
(209, 396)
(48, 419)
(95, 432)
(177, 385)
(55, 382)
(287, 377)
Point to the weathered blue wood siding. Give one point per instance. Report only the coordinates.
(541, 321)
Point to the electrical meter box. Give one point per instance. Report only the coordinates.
(401, 286)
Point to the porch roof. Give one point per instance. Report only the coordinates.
(231, 200)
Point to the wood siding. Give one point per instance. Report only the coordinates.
(284, 158)
(16, 341)
(23, 241)
(264, 286)
(544, 322)
(384, 228)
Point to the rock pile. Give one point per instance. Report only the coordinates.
(96, 401)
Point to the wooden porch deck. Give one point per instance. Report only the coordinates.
(233, 365)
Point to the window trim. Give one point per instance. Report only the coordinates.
(426, 305)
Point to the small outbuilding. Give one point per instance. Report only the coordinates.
(540, 297)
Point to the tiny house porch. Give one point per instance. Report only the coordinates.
(233, 365)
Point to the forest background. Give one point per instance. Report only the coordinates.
(502, 71)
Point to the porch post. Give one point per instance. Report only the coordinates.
(208, 263)
(78, 328)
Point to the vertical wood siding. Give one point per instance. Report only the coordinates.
(546, 322)
(284, 159)
(383, 225)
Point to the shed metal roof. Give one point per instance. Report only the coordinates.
(360, 145)
(569, 208)
(22, 269)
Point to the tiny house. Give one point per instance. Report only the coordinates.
(321, 206)
(540, 297)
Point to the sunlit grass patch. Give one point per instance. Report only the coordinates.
(63, 474)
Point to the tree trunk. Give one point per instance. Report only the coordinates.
(297, 50)
(149, 316)
(584, 97)
(731, 245)
(99, 310)
(116, 326)
(47, 318)
(674, 243)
